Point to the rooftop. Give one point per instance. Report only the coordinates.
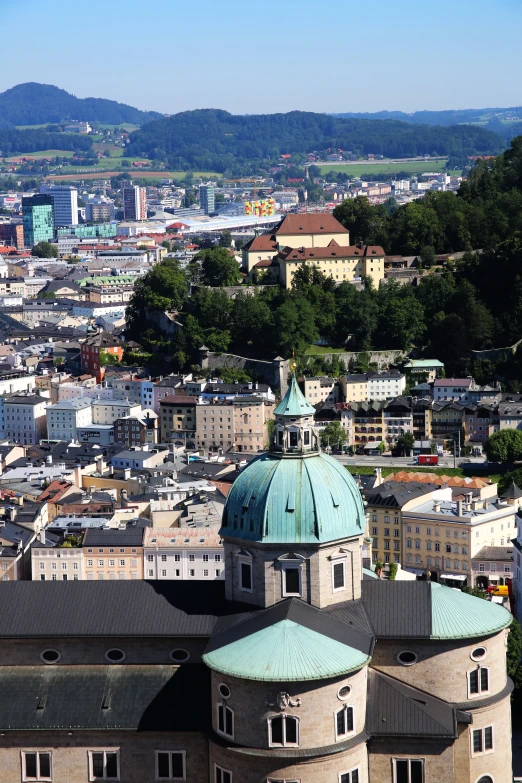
(311, 223)
(495, 553)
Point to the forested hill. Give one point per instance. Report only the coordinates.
(35, 104)
(426, 117)
(214, 139)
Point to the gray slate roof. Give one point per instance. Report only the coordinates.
(495, 553)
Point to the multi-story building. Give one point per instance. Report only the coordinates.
(109, 411)
(12, 234)
(134, 203)
(233, 425)
(453, 389)
(378, 385)
(16, 381)
(95, 348)
(368, 423)
(354, 387)
(15, 548)
(114, 553)
(137, 429)
(207, 198)
(38, 219)
(422, 418)
(178, 419)
(183, 553)
(427, 369)
(480, 421)
(321, 389)
(99, 212)
(398, 419)
(304, 664)
(510, 412)
(65, 203)
(22, 418)
(493, 565)
(447, 420)
(341, 263)
(64, 418)
(51, 561)
(167, 387)
(137, 390)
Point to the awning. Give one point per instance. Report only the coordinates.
(458, 577)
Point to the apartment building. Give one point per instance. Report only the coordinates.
(64, 418)
(134, 203)
(379, 385)
(183, 553)
(138, 429)
(398, 419)
(480, 421)
(447, 419)
(233, 425)
(177, 417)
(510, 412)
(54, 562)
(168, 387)
(22, 418)
(368, 423)
(321, 389)
(114, 553)
(108, 411)
(13, 382)
(427, 369)
(137, 390)
(493, 565)
(15, 543)
(354, 387)
(451, 388)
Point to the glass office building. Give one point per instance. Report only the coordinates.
(89, 232)
(38, 219)
(207, 198)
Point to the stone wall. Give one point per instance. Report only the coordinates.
(274, 373)
(497, 353)
(382, 359)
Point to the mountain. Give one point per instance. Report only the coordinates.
(445, 117)
(36, 104)
(212, 139)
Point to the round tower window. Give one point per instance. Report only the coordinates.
(478, 653)
(180, 656)
(115, 655)
(224, 690)
(50, 656)
(407, 658)
(344, 692)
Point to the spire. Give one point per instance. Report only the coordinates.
(294, 403)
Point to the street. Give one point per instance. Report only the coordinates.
(406, 462)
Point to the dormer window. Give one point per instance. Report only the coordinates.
(291, 581)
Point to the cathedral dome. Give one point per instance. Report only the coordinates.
(305, 499)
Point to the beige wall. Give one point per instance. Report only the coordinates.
(174, 418)
(240, 426)
(341, 269)
(107, 564)
(70, 753)
(443, 666)
(312, 240)
(316, 573)
(354, 391)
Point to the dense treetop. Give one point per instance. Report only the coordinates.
(14, 142)
(35, 104)
(214, 139)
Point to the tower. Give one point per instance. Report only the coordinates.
(38, 219)
(294, 519)
(207, 198)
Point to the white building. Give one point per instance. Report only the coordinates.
(22, 418)
(183, 553)
(64, 418)
(24, 383)
(386, 384)
(451, 389)
(52, 564)
(139, 391)
(107, 411)
(134, 203)
(321, 389)
(65, 200)
(101, 434)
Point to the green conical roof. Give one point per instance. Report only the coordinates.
(294, 403)
(458, 615)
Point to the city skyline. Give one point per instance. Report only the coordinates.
(346, 58)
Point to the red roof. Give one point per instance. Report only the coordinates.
(333, 251)
(310, 223)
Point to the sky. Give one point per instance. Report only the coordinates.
(262, 56)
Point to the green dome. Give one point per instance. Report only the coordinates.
(304, 500)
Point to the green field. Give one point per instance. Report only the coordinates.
(319, 350)
(92, 172)
(42, 154)
(384, 167)
(367, 470)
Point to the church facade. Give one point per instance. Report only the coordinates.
(301, 668)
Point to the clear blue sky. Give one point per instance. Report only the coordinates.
(250, 56)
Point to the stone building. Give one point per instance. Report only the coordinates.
(301, 668)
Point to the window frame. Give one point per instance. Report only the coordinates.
(224, 706)
(217, 768)
(395, 759)
(350, 773)
(26, 778)
(247, 561)
(339, 562)
(90, 753)
(294, 566)
(284, 716)
(170, 751)
(344, 709)
(480, 692)
(482, 731)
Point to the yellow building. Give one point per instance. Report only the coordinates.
(342, 263)
(311, 230)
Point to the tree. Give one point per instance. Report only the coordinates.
(218, 267)
(45, 250)
(294, 326)
(405, 444)
(333, 435)
(514, 653)
(225, 238)
(365, 222)
(428, 256)
(504, 446)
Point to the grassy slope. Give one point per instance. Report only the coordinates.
(383, 167)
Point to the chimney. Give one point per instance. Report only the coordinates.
(41, 535)
(436, 506)
(459, 508)
(475, 505)
(378, 476)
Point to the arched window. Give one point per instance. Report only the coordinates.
(344, 722)
(428, 545)
(456, 565)
(455, 549)
(485, 779)
(478, 680)
(283, 730)
(225, 724)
